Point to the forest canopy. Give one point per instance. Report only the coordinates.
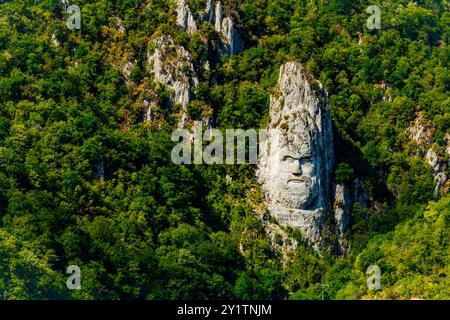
(85, 181)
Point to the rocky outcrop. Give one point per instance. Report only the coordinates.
(280, 241)
(230, 43)
(345, 196)
(185, 19)
(343, 203)
(172, 66)
(208, 14)
(422, 133)
(149, 107)
(439, 169)
(296, 160)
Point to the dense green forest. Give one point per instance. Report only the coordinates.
(85, 181)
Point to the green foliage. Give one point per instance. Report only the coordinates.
(84, 181)
(343, 173)
(414, 258)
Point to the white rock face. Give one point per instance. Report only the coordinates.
(296, 160)
(208, 15)
(185, 19)
(218, 16)
(433, 160)
(149, 107)
(172, 65)
(422, 133)
(344, 197)
(230, 43)
(439, 169)
(342, 208)
(126, 70)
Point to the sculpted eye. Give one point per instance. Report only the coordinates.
(307, 167)
(288, 159)
(306, 160)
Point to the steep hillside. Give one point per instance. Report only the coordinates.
(86, 176)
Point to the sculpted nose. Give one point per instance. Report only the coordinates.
(296, 168)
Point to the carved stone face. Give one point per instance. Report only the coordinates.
(296, 161)
(296, 181)
(293, 171)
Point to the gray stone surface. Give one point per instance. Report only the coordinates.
(296, 160)
(230, 43)
(422, 133)
(342, 208)
(185, 19)
(172, 65)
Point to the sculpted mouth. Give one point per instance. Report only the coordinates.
(297, 180)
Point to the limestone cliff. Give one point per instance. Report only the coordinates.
(230, 42)
(185, 19)
(422, 133)
(296, 162)
(342, 207)
(172, 65)
(344, 197)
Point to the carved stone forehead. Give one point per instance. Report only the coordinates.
(295, 98)
(298, 132)
(300, 143)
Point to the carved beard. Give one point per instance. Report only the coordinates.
(297, 195)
